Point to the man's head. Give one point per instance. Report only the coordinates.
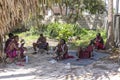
(41, 35)
(10, 35)
(62, 41)
(98, 34)
(16, 38)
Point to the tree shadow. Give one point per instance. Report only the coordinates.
(39, 66)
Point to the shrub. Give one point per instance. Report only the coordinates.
(53, 30)
(59, 30)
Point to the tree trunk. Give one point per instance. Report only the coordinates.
(60, 6)
(1, 46)
(43, 8)
(117, 30)
(110, 35)
(66, 5)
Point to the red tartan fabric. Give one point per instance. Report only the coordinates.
(67, 56)
(99, 45)
(86, 53)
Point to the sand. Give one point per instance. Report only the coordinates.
(40, 67)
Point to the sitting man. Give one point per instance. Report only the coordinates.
(13, 50)
(10, 38)
(85, 52)
(61, 50)
(41, 43)
(98, 42)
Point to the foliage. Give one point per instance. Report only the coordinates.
(52, 30)
(78, 6)
(62, 30)
(85, 34)
(66, 31)
(91, 6)
(34, 30)
(94, 6)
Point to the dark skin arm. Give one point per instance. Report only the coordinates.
(102, 41)
(13, 46)
(65, 49)
(39, 40)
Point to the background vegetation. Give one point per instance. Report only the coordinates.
(72, 33)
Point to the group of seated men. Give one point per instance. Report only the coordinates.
(14, 49)
(61, 50)
(96, 43)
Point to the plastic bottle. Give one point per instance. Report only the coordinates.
(26, 59)
(51, 49)
(68, 66)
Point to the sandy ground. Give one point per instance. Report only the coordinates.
(40, 67)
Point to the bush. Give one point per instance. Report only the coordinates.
(59, 30)
(63, 30)
(34, 30)
(66, 31)
(53, 30)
